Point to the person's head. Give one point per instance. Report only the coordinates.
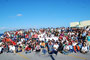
(29, 46)
(11, 44)
(81, 41)
(42, 41)
(88, 32)
(50, 43)
(84, 44)
(56, 43)
(85, 40)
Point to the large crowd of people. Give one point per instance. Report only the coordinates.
(46, 40)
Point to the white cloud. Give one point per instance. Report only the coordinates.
(19, 14)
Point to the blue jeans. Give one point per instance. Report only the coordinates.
(64, 52)
(44, 51)
(18, 50)
(11, 51)
(28, 51)
(71, 50)
(88, 48)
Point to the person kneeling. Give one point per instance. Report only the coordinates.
(38, 48)
(55, 50)
(1, 49)
(66, 49)
(84, 49)
(12, 48)
(28, 49)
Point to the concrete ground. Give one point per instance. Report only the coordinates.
(39, 56)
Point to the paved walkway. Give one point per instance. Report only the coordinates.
(39, 56)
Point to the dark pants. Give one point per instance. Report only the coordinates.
(38, 50)
(54, 51)
(1, 51)
(19, 50)
(83, 38)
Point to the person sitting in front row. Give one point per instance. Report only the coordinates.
(1, 49)
(37, 48)
(28, 49)
(12, 48)
(65, 49)
(84, 49)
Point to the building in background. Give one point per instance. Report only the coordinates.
(80, 24)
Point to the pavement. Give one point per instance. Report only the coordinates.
(39, 56)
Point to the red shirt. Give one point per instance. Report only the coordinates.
(26, 36)
(27, 48)
(13, 43)
(36, 36)
(60, 37)
(16, 33)
(67, 38)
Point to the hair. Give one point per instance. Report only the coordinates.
(29, 46)
(84, 44)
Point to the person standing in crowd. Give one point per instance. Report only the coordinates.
(50, 48)
(84, 35)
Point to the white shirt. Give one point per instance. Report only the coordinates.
(2, 37)
(70, 47)
(1, 48)
(55, 38)
(66, 47)
(19, 42)
(64, 38)
(56, 46)
(41, 39)
(1, 43)
(47, 39)
(74, 43)
(84, 48)
(22, 39)
(8, 34)
(12, 47)
(88, 28)
(72, 33)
